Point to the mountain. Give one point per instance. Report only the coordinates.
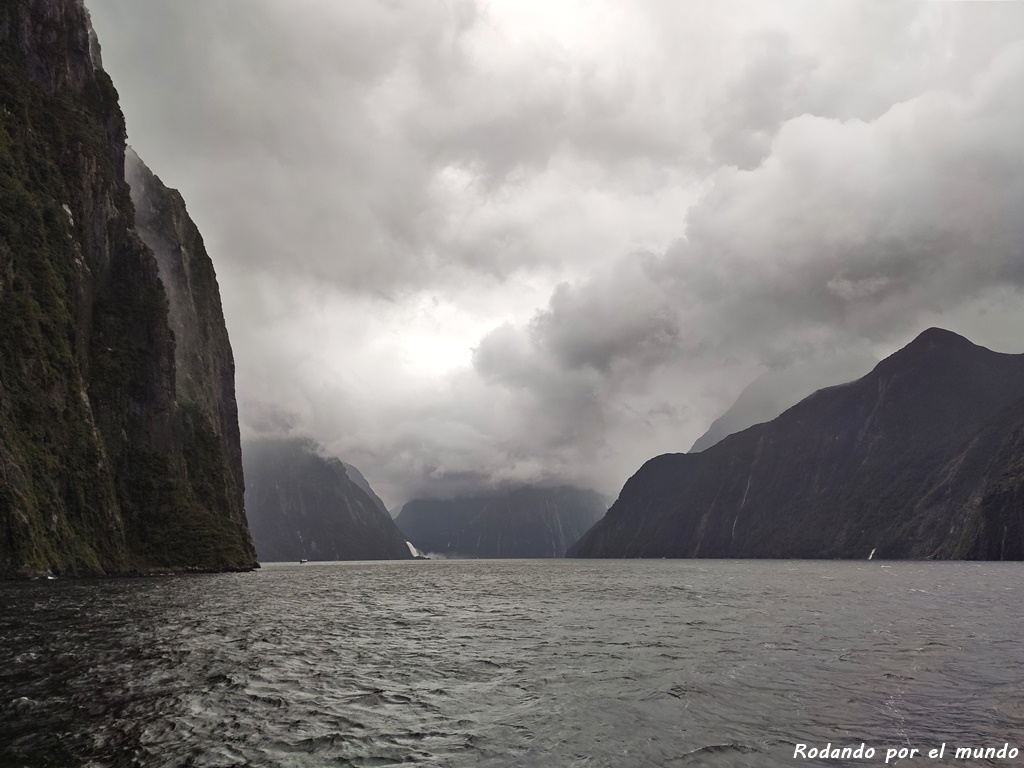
(302, 505)
(921, 458)
(778, 389)
(520, 522)
(115, 455)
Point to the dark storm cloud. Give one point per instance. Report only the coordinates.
(847, 231)
(470, 242)
(278, 116)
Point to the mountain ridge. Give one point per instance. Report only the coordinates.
(357, 477)
(778, 389)
(849, 470)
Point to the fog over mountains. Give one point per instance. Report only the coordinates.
(513, 522)
(471, 243)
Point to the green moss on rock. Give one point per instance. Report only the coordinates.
(102, 468)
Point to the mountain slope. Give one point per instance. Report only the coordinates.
(522, 522)
(776, 390)
(916, 459)
(304, 506)
(357, 477)
(104, 466)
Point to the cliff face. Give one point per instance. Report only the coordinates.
(302, 505)
(204, 365)
(103, 467)
(523, 522)
(921, 458)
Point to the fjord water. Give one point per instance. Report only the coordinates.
(524, 663)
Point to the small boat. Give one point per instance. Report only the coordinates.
(303, 561)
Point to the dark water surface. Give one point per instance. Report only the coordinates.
(526, 663)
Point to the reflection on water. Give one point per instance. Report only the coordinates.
(531, 663)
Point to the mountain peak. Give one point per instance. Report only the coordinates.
(940, 337)
(898, 461)
(935, 349)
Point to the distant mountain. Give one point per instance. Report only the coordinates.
(520, 522)
(778, 389)
(304, 506)
(921, 458)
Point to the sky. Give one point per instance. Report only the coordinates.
(469, 242)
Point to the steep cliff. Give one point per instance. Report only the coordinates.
(203, 361)
(520, 522)
(104, 468)
(302, 505)
(921, 458)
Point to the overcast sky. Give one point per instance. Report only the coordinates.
(466, 241)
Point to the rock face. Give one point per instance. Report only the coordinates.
(204, 365)
(304, 506)
(108, 464)
(921, 458)
(523, 522)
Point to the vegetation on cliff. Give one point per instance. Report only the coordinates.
(103, 468)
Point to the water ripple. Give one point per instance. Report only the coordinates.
(509, 663)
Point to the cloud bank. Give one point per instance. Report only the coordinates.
(469, 242)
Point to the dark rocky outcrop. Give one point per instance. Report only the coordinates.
(107, 465)
(521, 522)
(302, 505)
(921, 458)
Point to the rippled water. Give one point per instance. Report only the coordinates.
(532, 663)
